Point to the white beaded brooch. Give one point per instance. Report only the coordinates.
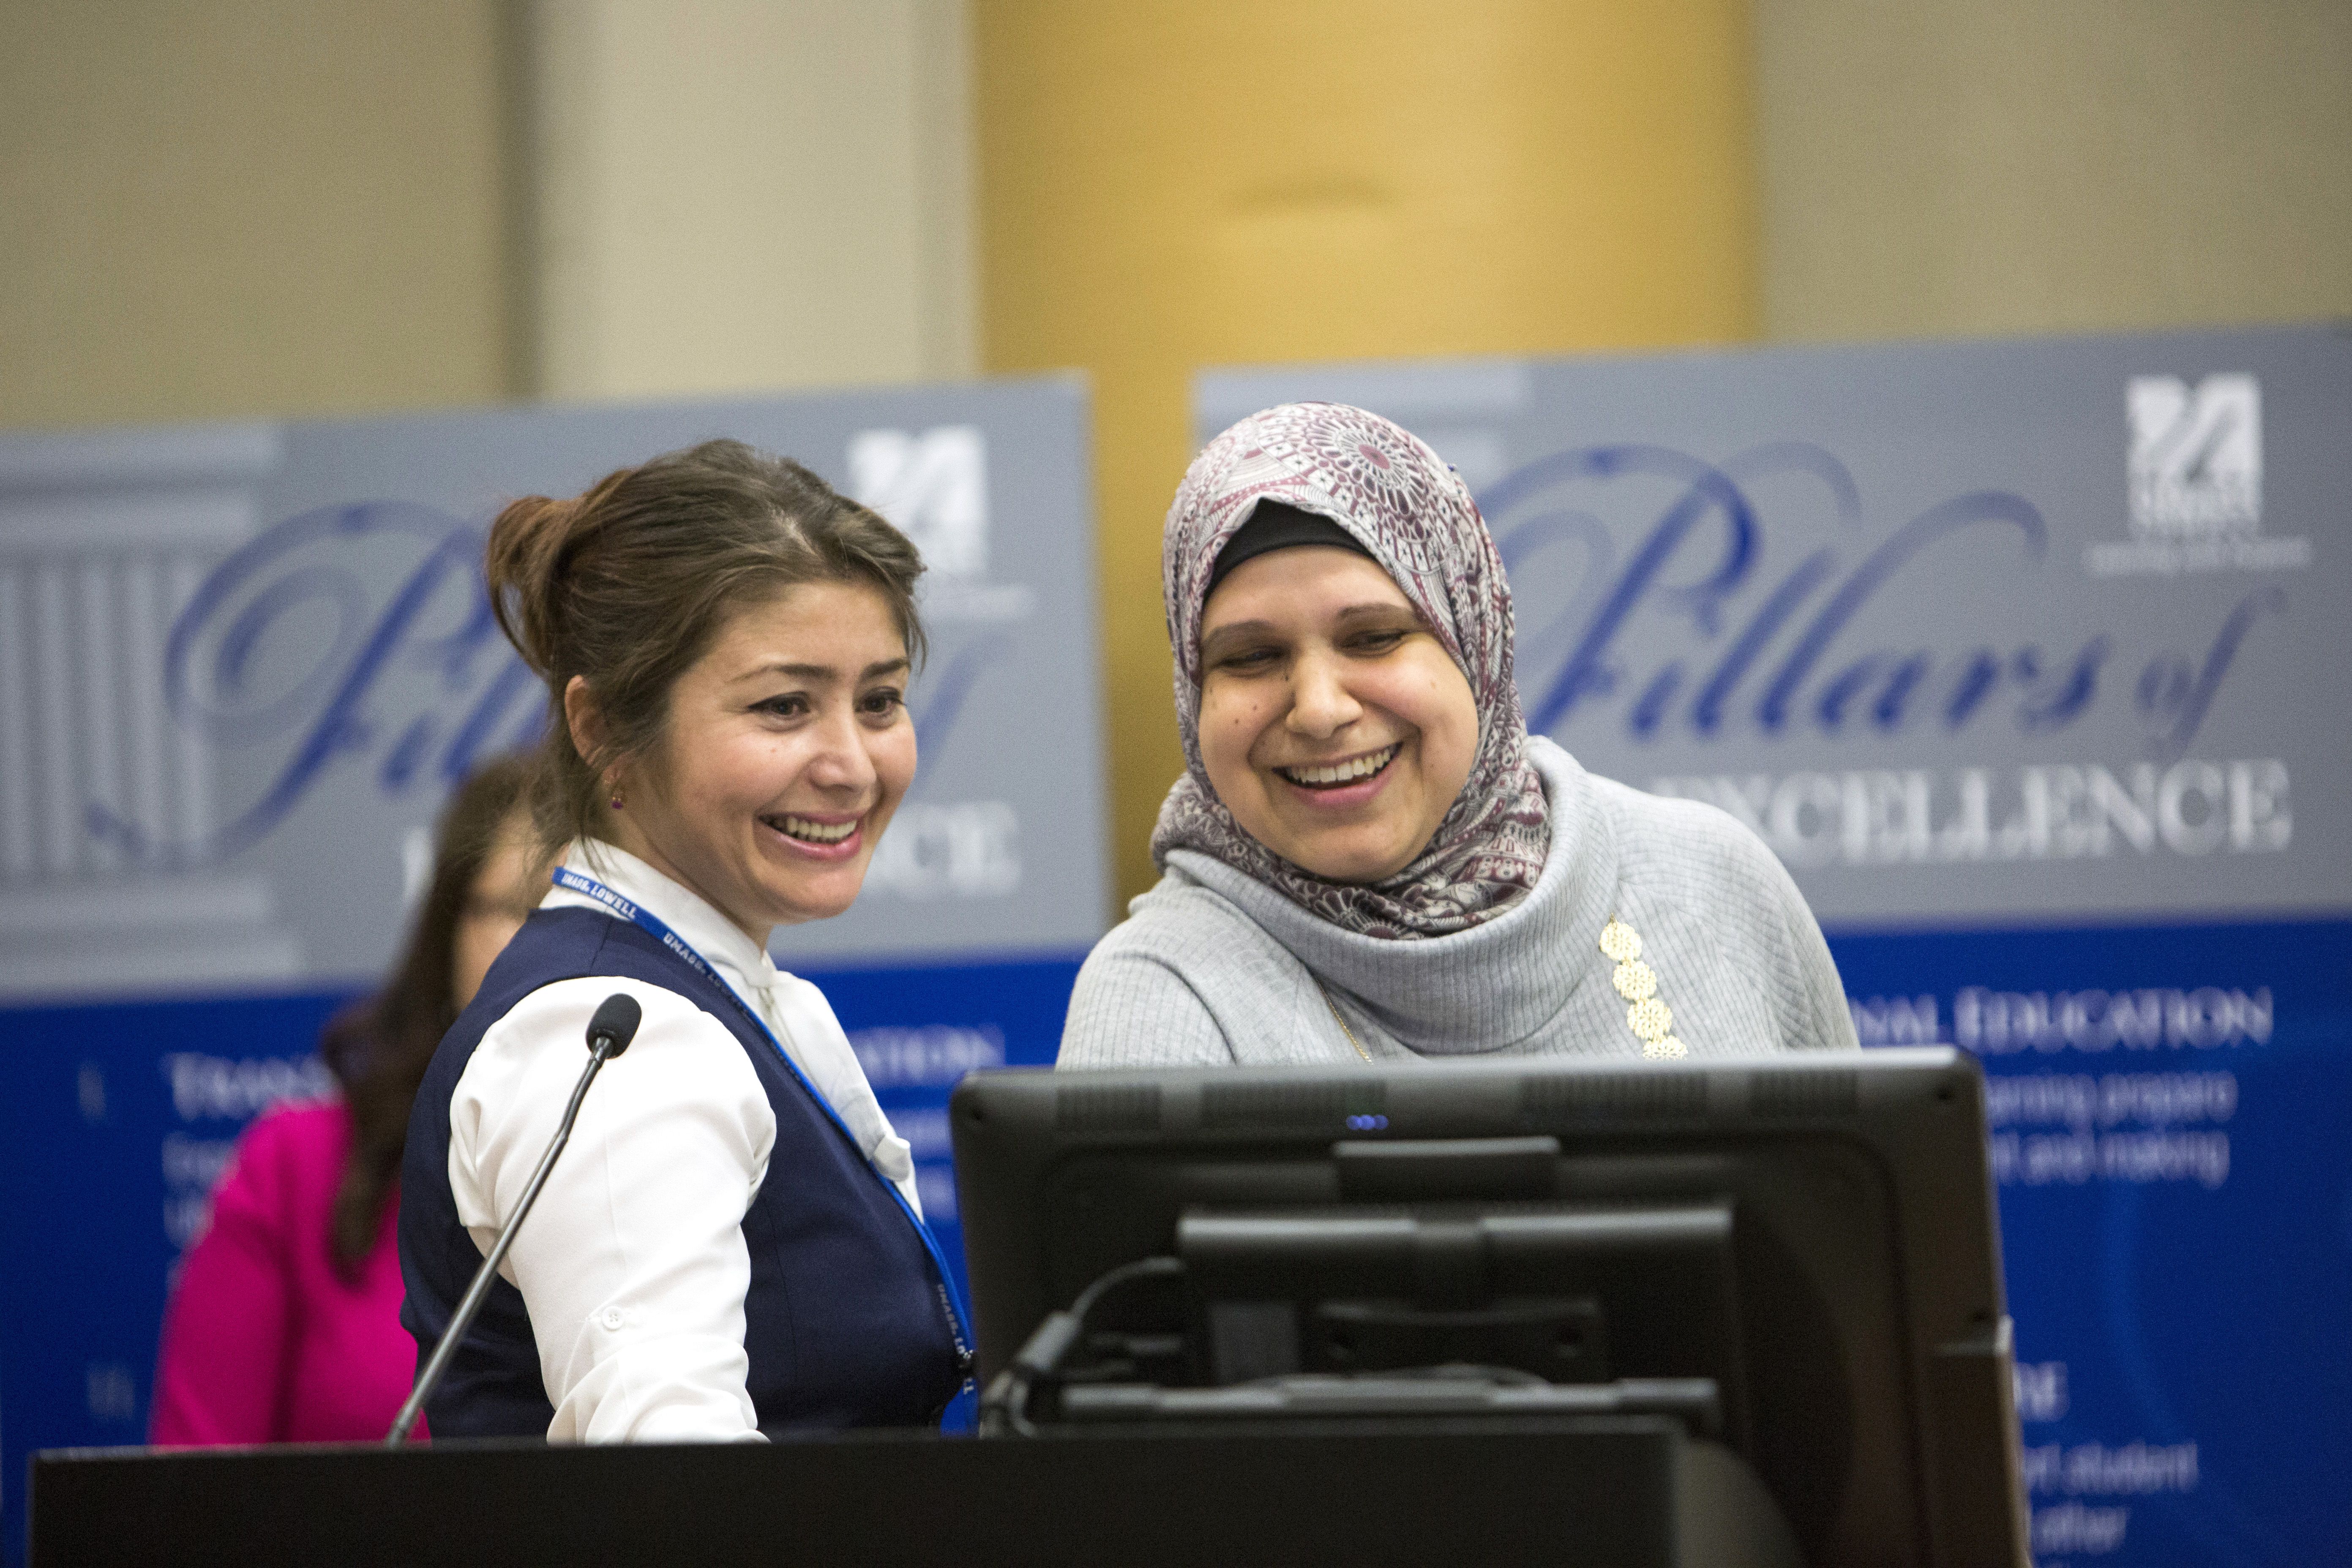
(1637, 982)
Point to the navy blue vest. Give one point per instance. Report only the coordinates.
(846, 1323)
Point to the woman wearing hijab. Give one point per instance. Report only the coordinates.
(1368, 857)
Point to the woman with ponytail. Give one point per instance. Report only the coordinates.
(732, 1243)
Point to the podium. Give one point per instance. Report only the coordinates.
(1629, 1492)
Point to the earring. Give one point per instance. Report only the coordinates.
(617, 797)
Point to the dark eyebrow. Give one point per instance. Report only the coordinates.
(823, 672)
(1353, 612)
(1369, 612)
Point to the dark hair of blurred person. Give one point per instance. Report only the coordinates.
(284, 1326)
(481, 891)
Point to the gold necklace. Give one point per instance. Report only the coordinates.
(1338, 1017)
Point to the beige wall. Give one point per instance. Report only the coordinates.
(270, 207)
(211, 208)
(1169, 185)
(2009, 166)
(214, 207)
(737, 194)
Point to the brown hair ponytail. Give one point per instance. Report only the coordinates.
(628, 584)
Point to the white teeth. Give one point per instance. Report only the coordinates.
(818, 832)
(1344, 772)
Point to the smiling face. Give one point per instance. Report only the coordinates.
(786, 749)
(1333, 726)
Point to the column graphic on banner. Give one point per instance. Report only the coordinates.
(102, 540)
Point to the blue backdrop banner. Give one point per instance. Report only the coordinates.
(2031, 662)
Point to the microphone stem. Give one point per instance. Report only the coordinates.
(479, 1290)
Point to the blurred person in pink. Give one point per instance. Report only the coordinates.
(285, 1324)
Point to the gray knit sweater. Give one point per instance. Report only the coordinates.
(1212, 968)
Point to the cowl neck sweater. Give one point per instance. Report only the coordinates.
(1213, 967)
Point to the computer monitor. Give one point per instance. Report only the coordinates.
(1796, 1253)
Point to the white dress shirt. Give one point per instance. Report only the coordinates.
(632, 1263)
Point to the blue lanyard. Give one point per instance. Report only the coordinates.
(655, 927)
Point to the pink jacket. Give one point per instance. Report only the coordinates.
(266, 1340)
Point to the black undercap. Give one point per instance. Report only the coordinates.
(1278, 525)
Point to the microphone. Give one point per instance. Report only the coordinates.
(610, 1031)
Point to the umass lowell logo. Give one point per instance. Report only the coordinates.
(2193, 474)
(2196, 463)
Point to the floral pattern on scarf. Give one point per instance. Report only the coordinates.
(1398, 500)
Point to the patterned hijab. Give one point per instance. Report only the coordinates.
(1413, 514)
